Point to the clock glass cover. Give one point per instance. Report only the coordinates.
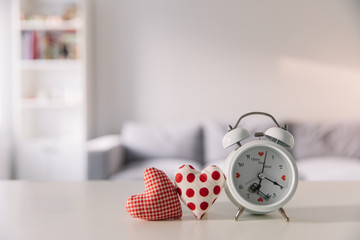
(262, 175)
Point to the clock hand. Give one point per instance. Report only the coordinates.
(262, 169)
(264, 163)
(274, 182)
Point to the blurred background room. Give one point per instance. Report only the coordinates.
(102, 89)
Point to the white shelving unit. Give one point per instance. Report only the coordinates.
(50, 89)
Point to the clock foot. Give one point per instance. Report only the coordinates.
(239, 212)
(282, 212)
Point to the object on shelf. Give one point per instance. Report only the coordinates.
(49, 45)
(199, 190)
(68, 13)
(159, 201)
(55, 94)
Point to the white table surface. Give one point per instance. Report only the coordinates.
(96, 210)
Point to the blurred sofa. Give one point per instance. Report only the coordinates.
(323, 151)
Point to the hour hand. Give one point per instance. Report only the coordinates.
(274, 182)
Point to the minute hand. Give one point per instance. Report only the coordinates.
(262, 171)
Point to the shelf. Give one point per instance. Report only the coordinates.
(65, 140)
(48, 104)
(50, 88)
(36, 25)
(48, 64)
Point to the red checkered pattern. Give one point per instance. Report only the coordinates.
(159, 201)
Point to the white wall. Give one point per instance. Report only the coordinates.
(176, 60)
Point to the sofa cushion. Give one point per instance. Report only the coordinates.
(326, 139)
(135, 170)
(214, 131)
(329, 169)
(144, 140)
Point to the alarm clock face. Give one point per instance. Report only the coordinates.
(262, 176)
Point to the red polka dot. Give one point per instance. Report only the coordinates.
(217, 189)
(202, 216)
(191, 167)
(204, 192)
(204, 206)
(182, 166)
(203, 177)
(213, 201)
(190, 177)
(190, 192)
(178, 177)
(191, 206)
(215, 175)
(213, 165)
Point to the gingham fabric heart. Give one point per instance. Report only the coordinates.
(199, 190)
(159, 201)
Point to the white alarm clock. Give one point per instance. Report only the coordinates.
(261, 175)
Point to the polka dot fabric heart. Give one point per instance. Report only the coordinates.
(159, 201)
(199, 190)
